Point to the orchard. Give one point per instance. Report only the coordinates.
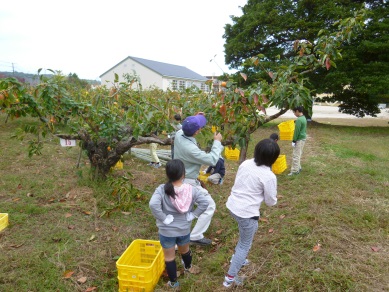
(107, 122)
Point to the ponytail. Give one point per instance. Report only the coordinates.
(175, 170)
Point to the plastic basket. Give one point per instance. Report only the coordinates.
(231, 154)
(203, 177)
(3, 220)
(118, 166)
(280, 165)
(140, 266)
(286, 130)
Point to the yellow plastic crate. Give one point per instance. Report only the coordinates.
(118, 165)
(280, 165)
(231, 154)
(140, 266)
(286, 130)
(3, 220)
(203, 177)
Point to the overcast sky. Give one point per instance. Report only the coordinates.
(89, 37)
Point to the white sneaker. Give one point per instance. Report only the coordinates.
(238, 281)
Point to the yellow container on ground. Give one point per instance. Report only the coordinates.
(280, 165)
(140, 266)
(3, 220)
(118, 165)
(203, 177)
(286, 130)
(231, 154)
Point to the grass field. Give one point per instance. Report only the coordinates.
(328, 232)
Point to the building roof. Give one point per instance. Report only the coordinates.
(165, 69)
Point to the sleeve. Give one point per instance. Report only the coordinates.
(270, 191)
(297, 128)
(201, 201)
(155, 205)
(202, 157)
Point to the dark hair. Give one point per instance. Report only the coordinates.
(266, 152)
(175, 170)
(177, 117)
(274, 137)
(299, 108)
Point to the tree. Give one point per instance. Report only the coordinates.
(110, 122)
(270, 28)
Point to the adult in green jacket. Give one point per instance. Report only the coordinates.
(299, 137)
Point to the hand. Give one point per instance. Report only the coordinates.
(169, 219)
(190, 216)
(217, 136)
(293, 144)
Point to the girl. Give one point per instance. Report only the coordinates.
(254, 183)
(172, 204)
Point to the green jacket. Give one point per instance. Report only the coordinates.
(300, 129)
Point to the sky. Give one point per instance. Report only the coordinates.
(89, 37)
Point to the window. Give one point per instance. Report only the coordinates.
(174, 85)
(182, 84)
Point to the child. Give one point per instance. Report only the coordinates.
(153, 153)
(274, 137)
(254, 183)
(217, 172)
(172, 204)
(299, 137)
(177, 126)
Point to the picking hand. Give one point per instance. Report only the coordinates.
(217, 136)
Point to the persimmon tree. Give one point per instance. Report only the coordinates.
(108, 122)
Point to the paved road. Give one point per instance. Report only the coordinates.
(330, 114)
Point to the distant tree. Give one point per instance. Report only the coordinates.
(270, 27)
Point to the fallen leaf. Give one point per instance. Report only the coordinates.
(71, 227)
(56, 239)
(51, 200)
(15, 199)
(126, 213)
(19, 186)
(219, 231)
(30, 195)
(375, 248)
(263, 219)
(114, 228)
(67, 215)
(68, 274)
(81, 280)
(282, 216)
(93, 237)
(92, 289)
(16, 245)
(62, 200)
(271, 230)
(216, 239)
(316, 247)
(86, 212)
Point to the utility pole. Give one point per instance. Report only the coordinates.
(13, 69)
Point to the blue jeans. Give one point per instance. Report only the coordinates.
(169, 242)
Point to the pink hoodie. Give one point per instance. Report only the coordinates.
(183, 198)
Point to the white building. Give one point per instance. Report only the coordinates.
(153, 73)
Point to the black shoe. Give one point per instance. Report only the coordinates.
(203, 241)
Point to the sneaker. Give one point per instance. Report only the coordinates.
(294, 173)
(151, 164)
(221, 181)
(157, 165)
(203, 241)
(245, 263)
(193, 270)
(228, 281)
(174, 285)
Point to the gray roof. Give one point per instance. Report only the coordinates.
(165, 69)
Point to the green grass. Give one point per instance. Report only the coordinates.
(340, 201)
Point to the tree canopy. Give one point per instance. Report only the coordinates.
(271, 27)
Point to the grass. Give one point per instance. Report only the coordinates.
(340, 201)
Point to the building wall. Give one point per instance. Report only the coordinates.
(147, 77)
